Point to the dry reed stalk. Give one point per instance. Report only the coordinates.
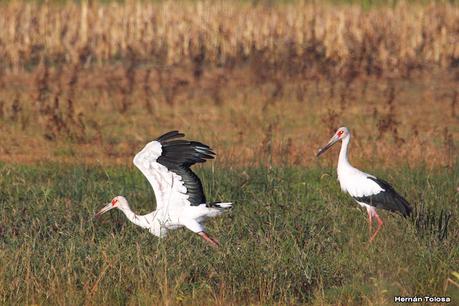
(293, 36)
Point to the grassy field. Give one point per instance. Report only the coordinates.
(291, 238)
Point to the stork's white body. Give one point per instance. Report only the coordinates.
(160, 221)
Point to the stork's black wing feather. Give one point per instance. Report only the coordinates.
(169, 135)
(388, 199)
(178, 156)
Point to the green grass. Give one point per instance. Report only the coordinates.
(292, 237)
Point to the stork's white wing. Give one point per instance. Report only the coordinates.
(168, 186)
(166, 164)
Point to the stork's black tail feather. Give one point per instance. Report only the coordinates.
(403, 206)
(222, 205)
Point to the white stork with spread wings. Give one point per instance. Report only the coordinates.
(366, 189)
(180, 199)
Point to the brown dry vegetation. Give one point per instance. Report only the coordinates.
(93, 82)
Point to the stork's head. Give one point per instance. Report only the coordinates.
(341, 133)
(118, 202)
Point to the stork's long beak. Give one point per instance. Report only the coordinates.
(332, 141)
(106, 208)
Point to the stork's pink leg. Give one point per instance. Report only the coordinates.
(380, 223)
(212, 241)
(370, 222)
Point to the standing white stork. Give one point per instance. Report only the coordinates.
(180, 199)
(367, 190)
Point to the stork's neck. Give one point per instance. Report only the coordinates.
(139, 220)
(343, 161)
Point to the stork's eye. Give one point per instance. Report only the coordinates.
(340, 133)
(114, 202)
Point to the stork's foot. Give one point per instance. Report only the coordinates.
(212, 241)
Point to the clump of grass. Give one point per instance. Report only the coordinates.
(433, 222)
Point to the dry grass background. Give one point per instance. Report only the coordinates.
(389, 39)
(93, 82)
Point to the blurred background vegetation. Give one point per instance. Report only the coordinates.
(92, 81)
